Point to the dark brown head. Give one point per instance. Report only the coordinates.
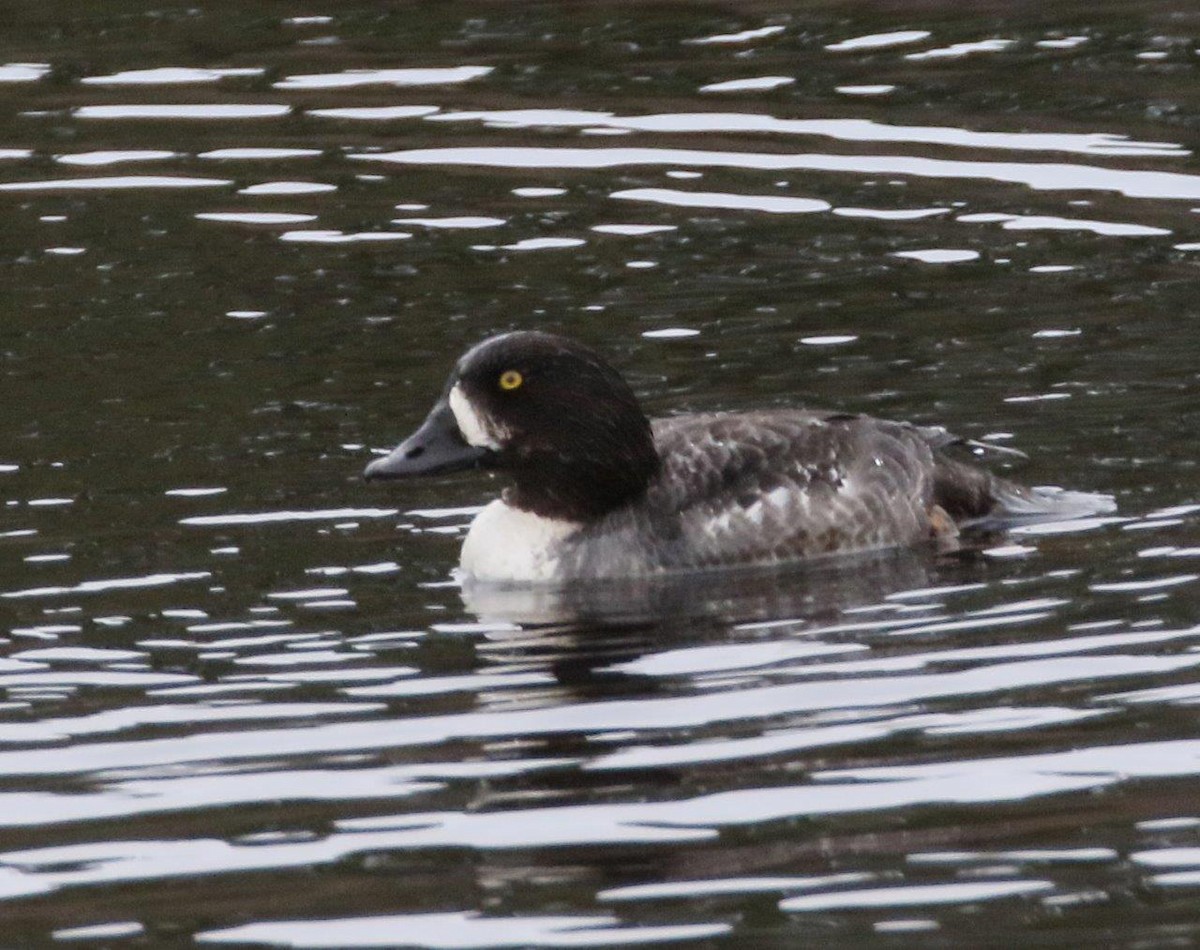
(546, 409)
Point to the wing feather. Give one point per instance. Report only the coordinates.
(778, 486)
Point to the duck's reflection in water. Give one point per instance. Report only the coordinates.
(625, 650)
(590, 632)
(802, 590)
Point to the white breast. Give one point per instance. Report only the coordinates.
(507, 544)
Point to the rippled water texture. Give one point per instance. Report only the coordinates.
(246, 703)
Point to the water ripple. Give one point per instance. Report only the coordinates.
(1042, 176)
(245, 696)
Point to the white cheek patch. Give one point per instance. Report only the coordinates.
(471, 424)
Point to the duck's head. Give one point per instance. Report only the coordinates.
(546, 409)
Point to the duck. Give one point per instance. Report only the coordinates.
(601, 492)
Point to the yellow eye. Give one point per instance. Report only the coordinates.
(511, 379)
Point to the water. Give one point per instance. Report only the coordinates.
(247, 705)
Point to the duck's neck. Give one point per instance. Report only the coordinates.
(589, 482)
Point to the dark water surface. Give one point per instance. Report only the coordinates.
(246, 702)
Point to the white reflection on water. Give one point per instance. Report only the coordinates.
(999, 779)
(92, 678)
(758, 83)
(1167, 857)
(342, 237)
(878, 41)
(744, 36)
(268, 517)
(23, 72)
(791, 742)
(851, 130)
(1042, 176)
(135, 717)
(959, 50)
(1030, 855)
(77, 654)
(1062, 527)
(1144, 584)
(385, 77)
(633, 230)
(114, 583)
(657, 713)
(891, 214)
(169, 75)
(379, 567)
(463, 221)
(828, 339)
(1065, 42)
(255, 217)
(1031, 222)
(875, 90)
(940, 255)
(533, 244)
(116, 796)
(106, 862)
(772, 204)
(375, 113)
(288, 188)
(307, 593)
(916, 895)
(264, 153)
(114, 157)
(125, 928)
(183, 111)
(451, 931)
(715, 886)
(115, 183)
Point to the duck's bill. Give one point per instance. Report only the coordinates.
(435, 448)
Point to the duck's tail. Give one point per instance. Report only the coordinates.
(977, 499)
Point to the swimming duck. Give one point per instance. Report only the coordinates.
(600, 491)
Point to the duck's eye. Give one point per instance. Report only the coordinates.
(511, 379)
